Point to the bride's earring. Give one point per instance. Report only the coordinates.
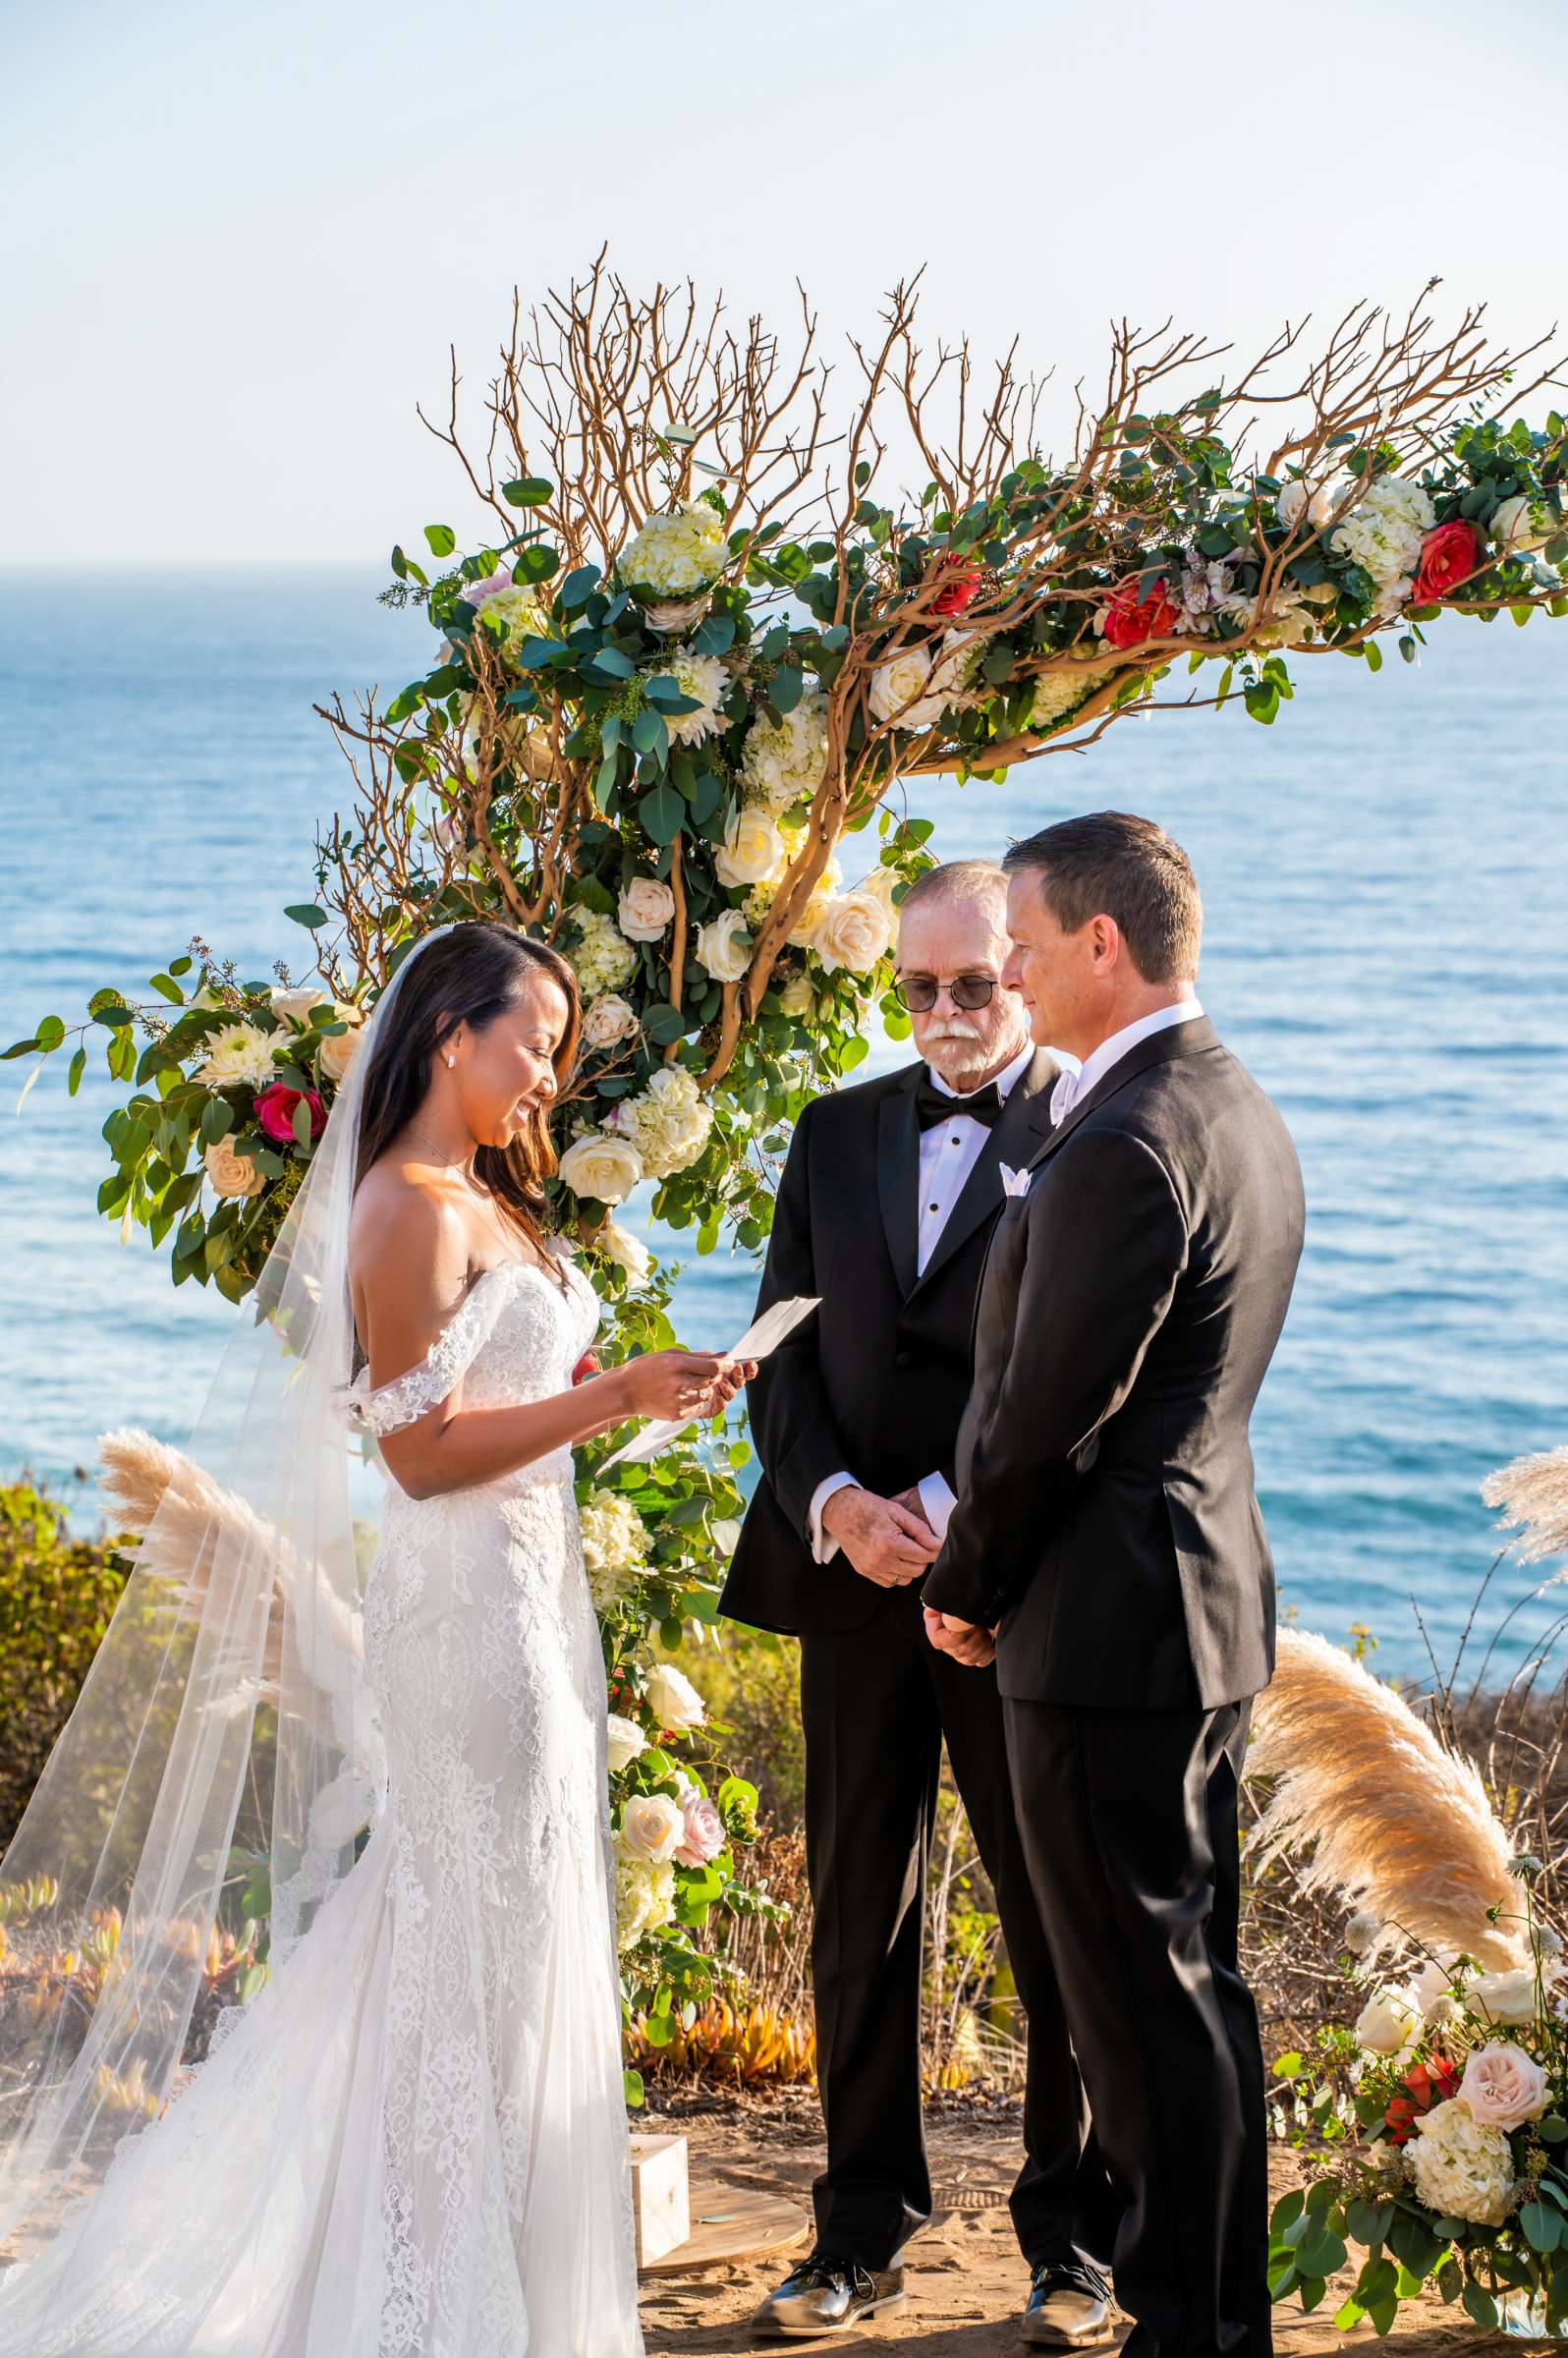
(451, 1061)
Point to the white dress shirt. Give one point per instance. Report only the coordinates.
(949, 1151)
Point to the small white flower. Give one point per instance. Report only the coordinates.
(668, 1123)
(799, 996)
(604, 1168)
(783, 766)
(647, 908)
(1362, 1931)
(628, 1252)
(1383, 533)
(603, 958)
(608, 1021)
(724, 947)
(673, 1699)
(626, 1740)
(653, 1827)
(645, 1895)
(704, 679)
(676, 553)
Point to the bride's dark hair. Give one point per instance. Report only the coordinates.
(470, 975)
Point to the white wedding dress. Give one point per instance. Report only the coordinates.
(412, 2141)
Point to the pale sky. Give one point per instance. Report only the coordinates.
(237, 242)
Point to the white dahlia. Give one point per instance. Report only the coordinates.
(704, 678)
(238, 1057)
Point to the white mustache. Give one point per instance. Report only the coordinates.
(948, 1027)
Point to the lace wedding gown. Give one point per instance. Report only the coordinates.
(412, 2144)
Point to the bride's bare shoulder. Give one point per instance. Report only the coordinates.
(404, 1223)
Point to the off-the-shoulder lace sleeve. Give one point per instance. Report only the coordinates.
(411, 1395)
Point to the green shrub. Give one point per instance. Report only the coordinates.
(56, 1594)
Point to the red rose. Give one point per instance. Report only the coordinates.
(1448, 556)
(1431, 2083)
(274, 1112)
(962, 590)
(1130, 619)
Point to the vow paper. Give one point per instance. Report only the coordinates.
(757, 1342)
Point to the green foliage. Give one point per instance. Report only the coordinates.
(56, 1598)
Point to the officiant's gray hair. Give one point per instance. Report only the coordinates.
(957, 881)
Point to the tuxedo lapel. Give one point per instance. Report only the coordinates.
(1177, 1040)
(1012, 1139)
(898, 1176)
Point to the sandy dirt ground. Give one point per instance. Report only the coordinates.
(966, 2280)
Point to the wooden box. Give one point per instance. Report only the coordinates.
(660, 2196)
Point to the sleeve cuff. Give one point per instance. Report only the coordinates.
(824, 1550)
(937, 1499)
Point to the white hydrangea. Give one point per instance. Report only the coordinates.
(783, 766)
(1383, 533)
(238, 1057)
(1058, 693)
(645, 1895)
(677, 552)
(704, 678)
(614, 1547)
(603, 958)
(668, 1123)
(1462, 2168)
(523, 615)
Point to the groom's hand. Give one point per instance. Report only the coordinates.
(884, 1542)
(963, 1640)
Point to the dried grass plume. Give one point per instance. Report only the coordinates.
(1401, 1827)
(1533, 1494)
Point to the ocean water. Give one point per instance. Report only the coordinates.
(1385, 876)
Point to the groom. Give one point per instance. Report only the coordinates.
(888, 1195)
(1106, 1521)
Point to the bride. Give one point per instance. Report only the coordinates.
(412, 2139)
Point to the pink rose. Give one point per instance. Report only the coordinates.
(704, 1836)
(274, 1112)
(1503, 2086)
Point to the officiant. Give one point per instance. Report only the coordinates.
(887, 1201)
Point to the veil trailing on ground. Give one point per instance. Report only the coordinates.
(213, 1784)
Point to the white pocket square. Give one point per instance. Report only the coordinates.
(1015, 1183)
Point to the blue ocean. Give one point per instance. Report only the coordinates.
(1385, 875)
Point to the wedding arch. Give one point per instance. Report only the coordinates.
(685, 648)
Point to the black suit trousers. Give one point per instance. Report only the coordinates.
(1130, 1827)
(875, 1703)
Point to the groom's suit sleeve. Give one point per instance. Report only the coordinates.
(797, 1439)
(1104, 1245)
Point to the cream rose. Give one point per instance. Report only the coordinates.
(628, 1252)
(646, 909)
(230, 1174)
(602, 1167)
(624, 1740)
(1388, 2022)
(724, 947)
(297, 1001)
(1462, 2168)
(799, 996)
(608, 1021)
(704, 1836)
(824, 892)
(1504, 1998)
(898, 690)
(339, 1049)
(1504, 2086)
(753, 851)
(1513, 528)
(653, 1827)
(673, 1699)
(853, 933)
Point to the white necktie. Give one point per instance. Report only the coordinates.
(1064, 1095)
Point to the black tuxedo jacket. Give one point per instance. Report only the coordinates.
(1130, 1306)
(875, 1385)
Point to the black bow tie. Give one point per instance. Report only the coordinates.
(933, 1106)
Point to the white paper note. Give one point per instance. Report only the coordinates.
(757, 1342)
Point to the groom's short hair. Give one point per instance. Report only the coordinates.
(1109, 864)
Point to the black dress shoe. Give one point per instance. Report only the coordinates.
(1069, 2303)
(828, 2294)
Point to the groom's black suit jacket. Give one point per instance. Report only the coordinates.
(875, 1385)
(1129, 1308)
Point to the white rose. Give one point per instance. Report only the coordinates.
(724, 947)
(1512, 530)
(600, 1166)
(298, 1001)
(608, 1021)
(1504, 1998)
(626, 1740)
(898, 690)
(673, 1699)
(1504, 2086)
(1388, 2022)
(853, 933)
(238, 1057)
(1291, 505)
(1462, 2168)
(653, 1827)
(824, 892)
(339, 1049)
(754, 851)
(1322, 506)
(232, 1174)
(799, 996)
(646, 910)
(628, 1252)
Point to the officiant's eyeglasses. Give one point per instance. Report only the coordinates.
(917, 993)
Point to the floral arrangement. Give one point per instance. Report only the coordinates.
(669, 680)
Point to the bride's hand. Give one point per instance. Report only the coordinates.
(674, 1383)
(734, 1375)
